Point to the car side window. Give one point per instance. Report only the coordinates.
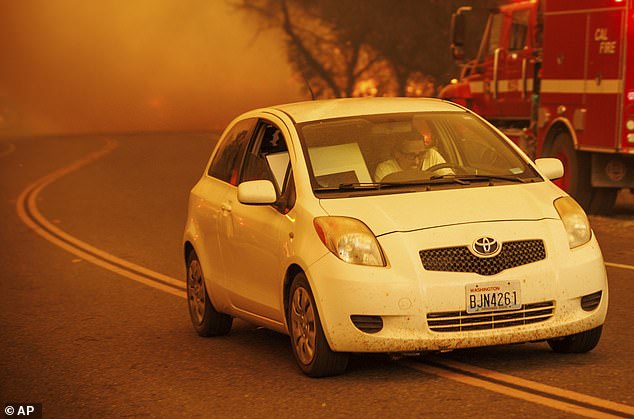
(226, 163)
(268, 159)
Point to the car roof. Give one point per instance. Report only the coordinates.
(339, 108)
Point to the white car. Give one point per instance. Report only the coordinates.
(388, 225)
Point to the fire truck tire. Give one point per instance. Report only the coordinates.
(603, 200)
(576, 179)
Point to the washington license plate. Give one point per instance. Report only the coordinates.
(493, 296)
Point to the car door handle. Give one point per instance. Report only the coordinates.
(225, 207)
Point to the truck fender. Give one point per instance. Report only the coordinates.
(555, 127)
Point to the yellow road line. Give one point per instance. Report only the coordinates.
(508, 391)
(50, 232)
(543, 388)
(619, 265)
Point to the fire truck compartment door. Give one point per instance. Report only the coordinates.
(583, 72)
(604, 82)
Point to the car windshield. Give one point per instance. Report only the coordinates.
(400, 152)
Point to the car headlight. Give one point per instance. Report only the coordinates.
(350, 240)
(575, 221)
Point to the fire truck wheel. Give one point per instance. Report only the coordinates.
(603, 200)
(576, 179)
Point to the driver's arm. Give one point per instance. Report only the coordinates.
(433, 158)
(385, 168)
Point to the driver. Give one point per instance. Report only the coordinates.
(411, 153)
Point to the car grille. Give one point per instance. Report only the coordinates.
(460, 321)
(460, 259)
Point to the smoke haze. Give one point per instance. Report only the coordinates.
(73, 66)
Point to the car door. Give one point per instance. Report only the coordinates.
(257, 235)
(209, 195)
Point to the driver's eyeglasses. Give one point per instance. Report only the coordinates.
(412, 156)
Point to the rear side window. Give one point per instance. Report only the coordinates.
(226, 163)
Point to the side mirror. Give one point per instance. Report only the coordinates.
(550, 167)
(458, 31)
(257, 192)
(457, 53)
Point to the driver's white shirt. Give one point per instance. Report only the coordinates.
(432, 158)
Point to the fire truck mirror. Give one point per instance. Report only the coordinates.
(458, 29)
(458, 32)
(457, 52)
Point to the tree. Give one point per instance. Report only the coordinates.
(330, 57)
(363, 47)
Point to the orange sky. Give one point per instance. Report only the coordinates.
(71, 66)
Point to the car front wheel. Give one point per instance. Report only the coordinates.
(312, 352)
(205, 319)
(577, 343)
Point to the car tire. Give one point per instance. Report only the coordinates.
(310, 347)
(205, 319)
(577, 343)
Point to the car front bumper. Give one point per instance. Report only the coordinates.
(403, 294)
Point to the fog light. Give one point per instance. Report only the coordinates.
(591, 301)
(367, 324)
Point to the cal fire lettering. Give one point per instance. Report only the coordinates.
(605, 45)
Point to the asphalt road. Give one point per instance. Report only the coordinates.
(91, 327)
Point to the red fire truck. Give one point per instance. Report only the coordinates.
(558, 77)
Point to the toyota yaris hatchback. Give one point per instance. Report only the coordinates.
(388, 225)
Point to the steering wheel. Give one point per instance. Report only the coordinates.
(439, 166)
(488, 156)
(410, 175)
(406, 175)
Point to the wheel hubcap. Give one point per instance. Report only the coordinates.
(196, 291)
(303, 331)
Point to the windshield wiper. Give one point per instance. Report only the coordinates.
(434, 180)
(357, 186)
(476, 178)
(374, 186)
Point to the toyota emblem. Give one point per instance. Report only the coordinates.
(486, 247)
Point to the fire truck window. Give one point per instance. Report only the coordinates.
(519, 30)
(495, 32)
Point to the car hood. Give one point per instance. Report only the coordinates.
(402, 212)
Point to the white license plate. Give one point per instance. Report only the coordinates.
(493, 296)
